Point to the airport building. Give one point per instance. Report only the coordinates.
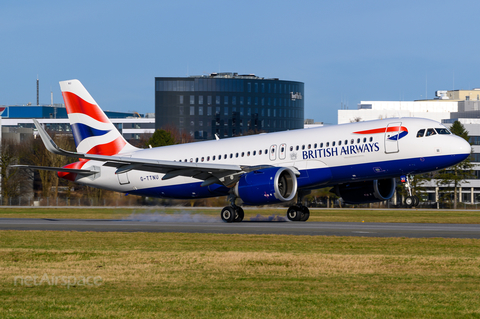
(228, 104)
(16, 121)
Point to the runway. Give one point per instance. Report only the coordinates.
(218, 227)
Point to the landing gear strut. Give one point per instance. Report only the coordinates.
(410, 200)
(299, 212)
(232, 213)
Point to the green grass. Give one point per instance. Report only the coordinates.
(331, 215)
(147, 275)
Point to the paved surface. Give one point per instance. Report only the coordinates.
(212, 225)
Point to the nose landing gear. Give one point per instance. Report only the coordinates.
(410, 200)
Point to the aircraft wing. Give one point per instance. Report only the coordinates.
(224, 174)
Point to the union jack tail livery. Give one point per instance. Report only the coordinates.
(92, 130)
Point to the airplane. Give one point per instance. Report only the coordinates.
(361, 161)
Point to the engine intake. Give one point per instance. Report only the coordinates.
(267, 186)
(366, 192)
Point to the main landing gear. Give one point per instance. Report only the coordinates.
(299, 212)
(232, 213)
(410, 200)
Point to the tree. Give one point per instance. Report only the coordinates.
(455, 175)
(161, 138)
(13, 179)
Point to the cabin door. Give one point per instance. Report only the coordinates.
(123, 178)
(391, 137)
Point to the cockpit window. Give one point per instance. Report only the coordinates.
(420, 133)
(442, 131)
(430, 132)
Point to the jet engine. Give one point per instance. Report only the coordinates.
(267, 186)
(366, 192)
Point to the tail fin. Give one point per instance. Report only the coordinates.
(92, 130)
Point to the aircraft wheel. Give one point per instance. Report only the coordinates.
(228, 214)
(305, 214)
(239, 214)
(410, 201)
(294, 213)
(416, 201)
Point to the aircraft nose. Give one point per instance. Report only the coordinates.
(463, 147)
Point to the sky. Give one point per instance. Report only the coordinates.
(344, 51)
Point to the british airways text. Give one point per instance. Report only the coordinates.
(344, 150)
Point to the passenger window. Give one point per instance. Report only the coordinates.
(321, 145)
(291, 148)
(358, 141)
(254, 153)
(421, 132)
(225, 156)
(231, 155)
(430, 132)
(243, 153)
(236, 155)
(352, 141)
(213, 158)
(260, 152)
(208, 158)
(203, 158)
(333, 143)
(346, 142)
(196, 160)
(328, 143)
(266, 152)
(371, 139)
(315, 146)
(309, 146)
(303, 147)
(248, 153)
(364, 140)
(339, 143)
(298, 147)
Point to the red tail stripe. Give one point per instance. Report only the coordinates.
(76, 104)
(112, 148)
(384, 130)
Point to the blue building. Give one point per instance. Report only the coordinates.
(56, 111)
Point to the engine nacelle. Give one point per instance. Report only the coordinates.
(267, 186)
(366, 192)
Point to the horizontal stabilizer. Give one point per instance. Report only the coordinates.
(58, 169)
